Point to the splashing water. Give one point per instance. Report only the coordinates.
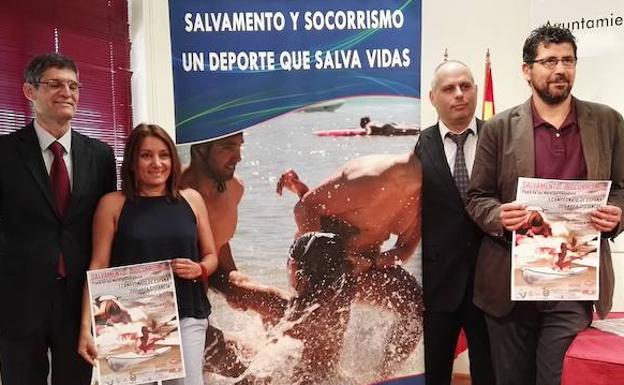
(272, 356)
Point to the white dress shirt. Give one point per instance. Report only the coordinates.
(45, 140)
(450, 148)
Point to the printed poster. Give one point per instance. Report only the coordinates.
(556, 253)
(135, 324)
(313, 85)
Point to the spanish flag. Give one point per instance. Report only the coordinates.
(488, 91)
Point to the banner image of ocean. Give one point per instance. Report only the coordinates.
(266, 229)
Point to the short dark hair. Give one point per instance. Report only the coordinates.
(546, 35)
(129, 183)
(320, 257)
(40, 64)
(199, 151)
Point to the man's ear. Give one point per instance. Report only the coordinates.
(526, 71)
(29, 91)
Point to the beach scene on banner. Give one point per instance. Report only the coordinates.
(556, 253)
(135, 324)
(271, 354)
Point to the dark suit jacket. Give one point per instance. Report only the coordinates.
(506, 151)
(33, 233)
(450, 240)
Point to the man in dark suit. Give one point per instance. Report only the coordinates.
(556, 136)
(51, 179)
(450, 240)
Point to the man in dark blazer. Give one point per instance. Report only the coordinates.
(450, 240)
(47, 233)
(556, 136)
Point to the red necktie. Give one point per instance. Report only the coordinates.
(59, 180)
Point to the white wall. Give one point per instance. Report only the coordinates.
(466, 28)
(152, 78)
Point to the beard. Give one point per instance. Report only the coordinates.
(550, 98)
(220, 177)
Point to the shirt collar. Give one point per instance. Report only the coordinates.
(444, 129)
(538, 121)
(46, 139)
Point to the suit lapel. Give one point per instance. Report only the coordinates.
(524, 140)
(589, 138)
(80, 171)
(479, 125)
(434, 149)
(30, 150)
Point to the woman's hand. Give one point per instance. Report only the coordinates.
(86, 347)
(185, 268)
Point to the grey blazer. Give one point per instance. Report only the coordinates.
(506, 151)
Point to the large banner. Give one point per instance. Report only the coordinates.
(327, 89)
(240, 63)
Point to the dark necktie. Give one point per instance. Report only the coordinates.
(460, 172)
(59, 181)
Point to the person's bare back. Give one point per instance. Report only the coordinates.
(379, 195)
(389, 186)
(373, 197)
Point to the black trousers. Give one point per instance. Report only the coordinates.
(529, 343)
(24, 358)
(441, 333)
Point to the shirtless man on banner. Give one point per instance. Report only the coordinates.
(376, 196)
(211, 172)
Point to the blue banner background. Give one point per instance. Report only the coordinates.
(210, 104)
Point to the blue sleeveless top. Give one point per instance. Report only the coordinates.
(152, 229)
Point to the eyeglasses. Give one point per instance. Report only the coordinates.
(551, 62)
(55, 84)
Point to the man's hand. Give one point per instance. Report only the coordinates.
(513, 215)
(606, 218)
(235, 298)
(245, 294)
(290, 181)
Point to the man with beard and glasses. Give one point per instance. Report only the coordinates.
(211, 172)
(552, 135)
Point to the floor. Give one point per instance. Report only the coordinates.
(461, 379)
